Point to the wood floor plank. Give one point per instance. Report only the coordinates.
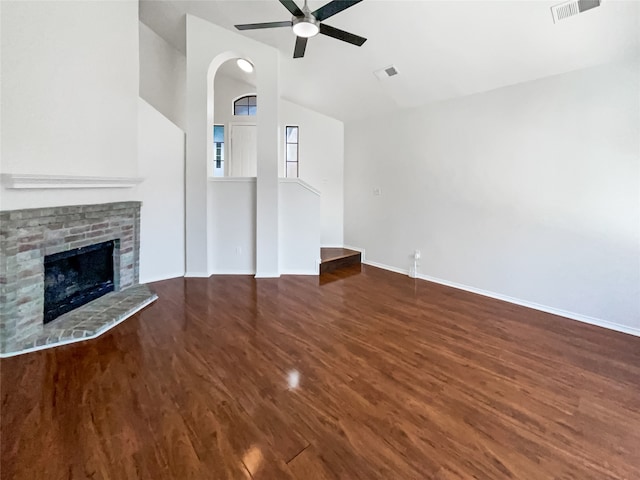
(363, 374)
(310, 466)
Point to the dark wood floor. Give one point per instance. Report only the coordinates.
(374, 375)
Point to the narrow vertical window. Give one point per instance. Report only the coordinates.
(291, 153)
(218, 150)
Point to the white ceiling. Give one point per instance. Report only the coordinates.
(442, 49)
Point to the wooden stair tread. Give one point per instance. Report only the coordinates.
(330, 254)
(337, 258)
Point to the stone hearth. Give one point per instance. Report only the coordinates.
(26, 236)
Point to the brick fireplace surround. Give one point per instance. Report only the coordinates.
(26, 236)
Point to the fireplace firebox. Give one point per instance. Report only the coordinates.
(76, 277)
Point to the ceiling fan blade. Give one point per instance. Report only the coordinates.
(254, 26)
(341, 35)
(332, 8)
(292, 7)
(301, 45)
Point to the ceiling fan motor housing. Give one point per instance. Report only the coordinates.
(306, 26)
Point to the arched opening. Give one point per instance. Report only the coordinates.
(234, 131)
(240, 214)
(232, 140)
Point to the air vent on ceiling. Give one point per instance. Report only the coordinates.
(386, 72)
(571, 8)
(391, 71)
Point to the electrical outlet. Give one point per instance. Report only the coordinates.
(417, 254)
(238, 250)
(377, 192)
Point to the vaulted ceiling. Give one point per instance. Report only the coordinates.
(442, 49)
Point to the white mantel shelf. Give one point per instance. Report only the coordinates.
(29, 181)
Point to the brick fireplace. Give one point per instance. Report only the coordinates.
(27, 236)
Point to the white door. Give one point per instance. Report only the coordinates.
(244, 157)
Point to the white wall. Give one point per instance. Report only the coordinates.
(232, 212)
(232, 215)
(530, 191)
(161, 163)
(163, 76)
(226, 90)
(69, 96)
(321, 151)
(299, 228)
(208, 47)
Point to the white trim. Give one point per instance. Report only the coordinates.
(168, 276)
(386, 267)
(299, 272)
(233, 272)
(29, 181)
(233, 179)
(357, 249)
(267, 275)
(524, 303)
(196, 275)
(302, 183)
(75, 340)
(536, 306)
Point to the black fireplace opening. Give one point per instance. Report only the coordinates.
(76, 277)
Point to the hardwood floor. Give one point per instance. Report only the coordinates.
(373, 375)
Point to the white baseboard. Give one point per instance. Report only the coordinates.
(168, 276)
(256, 275)
(234, 272)
(298, 272)
(536, 306)
(386, 267)
(524, 303)
(358, 249)
(267, 275)
(196, 275)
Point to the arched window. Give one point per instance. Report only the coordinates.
(246, 105)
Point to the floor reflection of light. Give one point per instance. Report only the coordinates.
(293, 379)
(252, 459)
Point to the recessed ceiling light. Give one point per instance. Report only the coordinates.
(245, 65)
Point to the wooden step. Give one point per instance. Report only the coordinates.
(335, 258)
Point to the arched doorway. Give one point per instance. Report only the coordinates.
(234, 133)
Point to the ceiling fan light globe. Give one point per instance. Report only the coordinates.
(305, 28)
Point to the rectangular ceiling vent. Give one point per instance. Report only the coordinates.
(572, 8)
(386, 72)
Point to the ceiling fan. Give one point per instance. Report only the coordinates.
(308, 24)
